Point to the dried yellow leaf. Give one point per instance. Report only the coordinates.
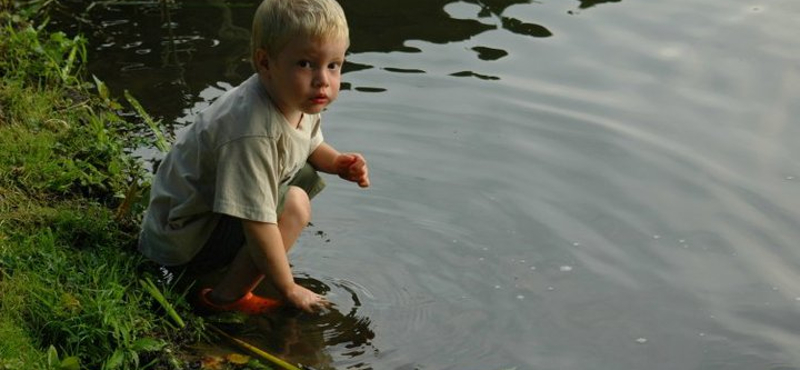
(238, 359)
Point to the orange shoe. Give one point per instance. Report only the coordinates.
(250, 304)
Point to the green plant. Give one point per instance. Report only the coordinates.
(79, 294)
(28, 9)
(160, 141)
(28, 55)
(67, 363)
(69, 273)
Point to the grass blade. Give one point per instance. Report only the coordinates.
(151, 288)
(161, 142)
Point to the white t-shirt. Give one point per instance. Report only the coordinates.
(230, 161)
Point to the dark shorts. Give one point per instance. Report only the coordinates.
(228, 236)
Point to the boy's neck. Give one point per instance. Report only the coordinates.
(296, 121)
(293, 119)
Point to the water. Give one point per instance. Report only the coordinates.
(556, 184)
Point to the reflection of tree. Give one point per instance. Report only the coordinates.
(495, 7)
(166, 52)
(227, 32)
(590, 3)
(522, 28)
(206, 41)
(170, 53)
(230, 32)
(387, 27)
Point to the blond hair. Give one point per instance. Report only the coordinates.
(276, 22)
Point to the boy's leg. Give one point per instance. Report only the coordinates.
(294, 214)
(304, 186)
(243, 275)
(307, 179)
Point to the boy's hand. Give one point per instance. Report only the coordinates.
(306, 300)
(352, 167)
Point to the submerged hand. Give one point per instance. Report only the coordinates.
(352, 167)
(306, 300)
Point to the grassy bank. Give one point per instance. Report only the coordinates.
(74, 294)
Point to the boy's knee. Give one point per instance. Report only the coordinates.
(297, 204)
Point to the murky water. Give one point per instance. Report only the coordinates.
(556, 184)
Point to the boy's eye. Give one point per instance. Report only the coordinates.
(334, 66)
(304, 64)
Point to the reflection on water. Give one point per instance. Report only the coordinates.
(557, 185)
(485, 53)
(180, 48)
(590, 3)
(389, 26)
(310, 339)
(473, 74)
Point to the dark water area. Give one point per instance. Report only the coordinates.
(556, 184)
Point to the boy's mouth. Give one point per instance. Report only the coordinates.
(320, 99)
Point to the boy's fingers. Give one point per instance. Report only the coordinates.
(358, 161)
(321, 303)
(354, 168)
(361, 175)
(363, 181)
(361, 178)
(359, 164)
(345, 160)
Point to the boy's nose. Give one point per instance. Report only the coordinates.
(321, 79)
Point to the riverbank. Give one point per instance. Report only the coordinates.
(74, 294)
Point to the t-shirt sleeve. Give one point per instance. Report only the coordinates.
(247, 180)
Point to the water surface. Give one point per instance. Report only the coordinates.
(556, 184)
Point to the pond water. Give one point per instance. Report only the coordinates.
(556, 184)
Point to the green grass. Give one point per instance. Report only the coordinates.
(70, 293)
(74, 292)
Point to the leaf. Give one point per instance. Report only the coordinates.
(211, 362)
(116, 360)
(70, 363)
(161, 142)
(254, 364)
(237, 359)
(52, 357)
(67, 68)
(102, 89)
(148, 345)
(69, 302)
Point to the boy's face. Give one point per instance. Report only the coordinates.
(304, 77)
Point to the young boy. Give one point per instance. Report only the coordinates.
(235, 190)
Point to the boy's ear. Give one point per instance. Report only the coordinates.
(262, 60)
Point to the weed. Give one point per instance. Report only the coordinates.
(69, 272)
(28, 56)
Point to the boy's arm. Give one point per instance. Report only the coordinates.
(267, 250)
(349, 166)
